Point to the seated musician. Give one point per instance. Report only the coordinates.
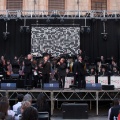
(102, 59)
(8, 69)
(35, 76)
(103, 72)
(21, 70)
(40, 73)
(68, 73)
(92, 72)
(115, 71)
(15, 60)
(113, 64)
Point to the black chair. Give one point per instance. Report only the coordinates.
(43, 116)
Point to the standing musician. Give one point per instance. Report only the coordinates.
(28, 70)
(46, 71)
(61, 66)
(3, 61)
(8, 69)
(80, 72)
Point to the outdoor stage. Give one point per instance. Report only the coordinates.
(67, 95)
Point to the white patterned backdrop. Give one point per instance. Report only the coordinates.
(55, 40)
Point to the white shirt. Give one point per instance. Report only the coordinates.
(16, 106)
(109, 112)
(11, 112)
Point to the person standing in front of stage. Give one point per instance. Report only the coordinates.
(46, 71)
(61, 67)
(28, 70)
(79, 72)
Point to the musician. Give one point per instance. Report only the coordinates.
(61, 67)
(15, 61)
(92, 72)
(103, 71)
(35, 76)
(98, 67)
(115, 71)
(21, 70)
(80, 53)
(3, 61)
(8, 69)
(46, 70)
(28, 70)
(79, 72)
(65, 55)
(113, 64)
(102, 60)
(68, 73)
(40, 73)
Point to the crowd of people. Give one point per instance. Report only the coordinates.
(47, 68)
(24, 109)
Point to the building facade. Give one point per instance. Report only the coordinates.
(60, 4)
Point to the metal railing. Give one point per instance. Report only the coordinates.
(71, 14)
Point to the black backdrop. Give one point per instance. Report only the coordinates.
(93, 44)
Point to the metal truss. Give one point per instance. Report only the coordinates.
(66, 95)
(57, 14)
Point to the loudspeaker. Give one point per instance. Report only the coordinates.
(75, 110)
(8, 86)
(51, 86)
(93, 86)
(107, 87)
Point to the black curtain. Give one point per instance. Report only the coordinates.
(92, 43)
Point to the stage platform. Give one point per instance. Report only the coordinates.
(67, 95)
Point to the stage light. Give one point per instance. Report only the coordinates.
(5, 35)
(82, 29)
(27, 29)
(47, 21)
(21, 29)
(24, 29)
(88, 29)
(104, 36)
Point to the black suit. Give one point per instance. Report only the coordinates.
(28, 72)
(62, 73)
(114, 112)
(80, 76)
(46, 72)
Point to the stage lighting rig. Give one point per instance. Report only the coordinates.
(104, 34)
(85, 28)
(5, 34)
(24, 28)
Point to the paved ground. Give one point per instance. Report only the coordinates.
(90, 118)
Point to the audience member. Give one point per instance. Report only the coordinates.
(115, 103)
(27, 97)
(24, 106)
(20, 99)
(3, 110)
(30, 113)
(10, 112)
(41, 104)
(115, 111)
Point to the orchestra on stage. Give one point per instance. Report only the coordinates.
(48, 68)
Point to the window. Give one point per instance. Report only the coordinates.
(99, 4)
(56, 4)
(14, 4)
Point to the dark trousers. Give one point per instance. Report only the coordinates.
(81, 81)
(28, 79)
(61, 81)
(45, 78)
(36, 78)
